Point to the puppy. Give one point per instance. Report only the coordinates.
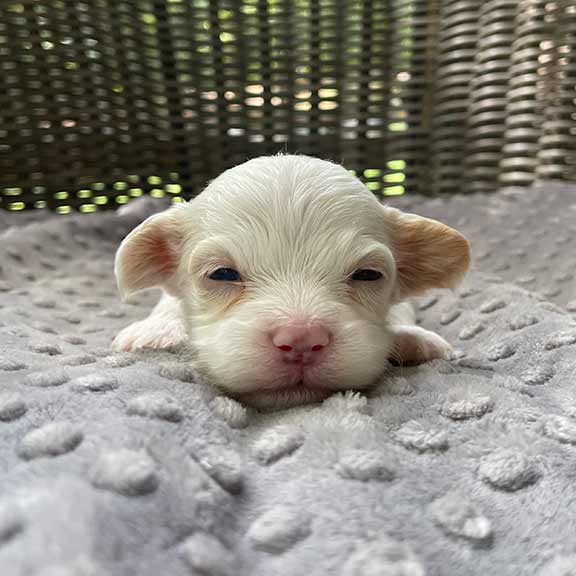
(289, 280)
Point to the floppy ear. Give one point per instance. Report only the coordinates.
(148, 257)
(428, 254)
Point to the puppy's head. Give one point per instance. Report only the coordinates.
(286, 268)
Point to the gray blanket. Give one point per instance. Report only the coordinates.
(128, 465)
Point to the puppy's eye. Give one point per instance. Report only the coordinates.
(225, 275)
(366, 275)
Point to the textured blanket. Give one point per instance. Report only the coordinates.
(129, 465)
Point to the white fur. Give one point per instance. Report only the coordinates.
(164, 328)
(296, 228)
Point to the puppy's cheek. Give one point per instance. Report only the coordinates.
(229, 354)
(362, 360)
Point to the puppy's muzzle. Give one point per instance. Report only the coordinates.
(300, 344)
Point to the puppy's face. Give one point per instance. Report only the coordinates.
(286, 268)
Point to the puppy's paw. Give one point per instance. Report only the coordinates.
(149, 333)
(415, 345)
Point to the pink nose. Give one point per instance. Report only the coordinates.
(301, 344)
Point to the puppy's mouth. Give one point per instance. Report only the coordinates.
(299, 379)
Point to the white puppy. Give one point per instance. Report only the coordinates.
(289, 280)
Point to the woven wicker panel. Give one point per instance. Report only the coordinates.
(105, 100)
(557, 143)
(84, 108)
(489, 87)
(523, 109)
(109, 99)
(458, 38)
(412, 37)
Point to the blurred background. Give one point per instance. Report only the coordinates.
(102, 101)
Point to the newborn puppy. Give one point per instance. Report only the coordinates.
(289, 280)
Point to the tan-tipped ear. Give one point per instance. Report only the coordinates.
(428, 254)
(148, 257)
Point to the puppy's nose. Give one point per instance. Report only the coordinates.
(301, 344)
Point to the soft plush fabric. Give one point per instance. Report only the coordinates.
(127, 464)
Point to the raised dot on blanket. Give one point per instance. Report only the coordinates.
(46, 348)
(277, 443)
(279, 529)
(383, 556)
(472, 330)
(492, 306)
(560, 428)
(55, 377)
(207, 556)
(561, 339)
(128, 472)
(225, 468)
(230, 411)
(51, 439)
(95, 383)
(537, 375)
(365, 465)
(10, 365)
(156, 405)
(522, 321)
(12, 406)
(508, 469)
(501, 351)
(473, 406)
(457, 516)
(415, 436)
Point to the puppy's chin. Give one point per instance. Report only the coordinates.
(284, 398)
(295, 393)
(259, 389)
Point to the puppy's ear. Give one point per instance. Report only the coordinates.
(148, 257)
(428, 254)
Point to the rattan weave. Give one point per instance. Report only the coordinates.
(104, 100)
